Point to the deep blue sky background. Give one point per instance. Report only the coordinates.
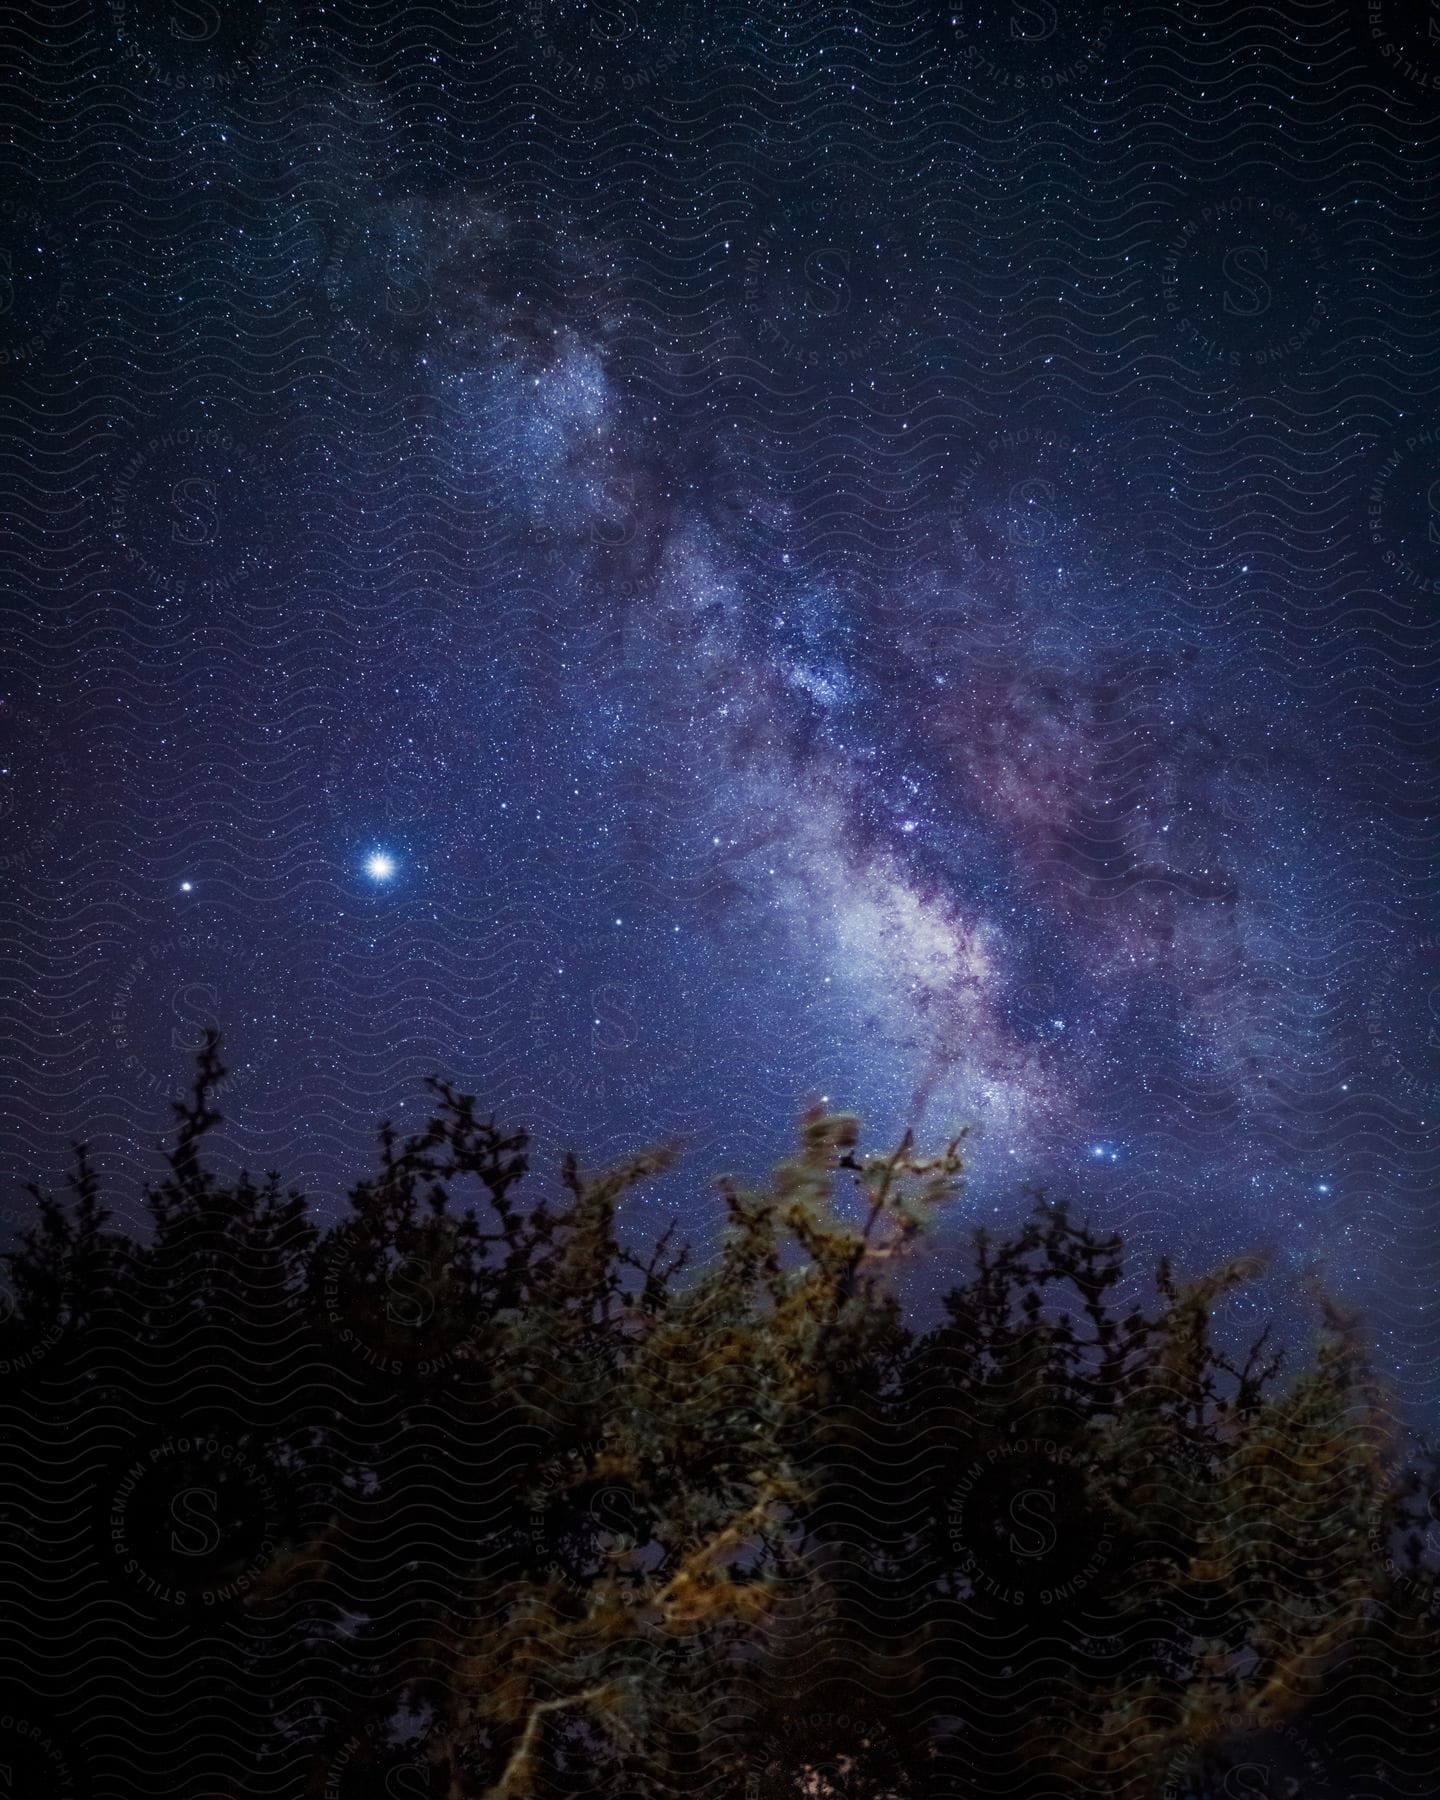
(886, 552)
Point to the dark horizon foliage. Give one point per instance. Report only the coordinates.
(462, 1495)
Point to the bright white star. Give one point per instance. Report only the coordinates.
(380, 867)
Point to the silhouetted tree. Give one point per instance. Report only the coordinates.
(463, 1495)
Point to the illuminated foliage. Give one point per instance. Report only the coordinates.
(461, 1494)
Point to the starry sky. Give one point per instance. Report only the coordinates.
(668, 560)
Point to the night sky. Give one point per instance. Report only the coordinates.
(663, 560)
